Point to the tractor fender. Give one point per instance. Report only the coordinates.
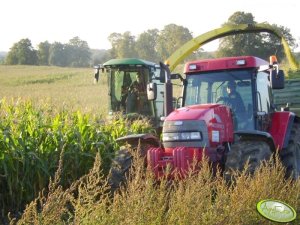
(255, 135)
(293, 119)
(136, 139)
(281, 127)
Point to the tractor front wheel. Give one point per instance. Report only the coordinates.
(122, 163)
(120, 169)
(253, 152)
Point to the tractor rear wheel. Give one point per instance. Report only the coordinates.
(253, 152)
(290, 156)
(120, 169)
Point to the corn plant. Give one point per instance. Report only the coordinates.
(32, 137)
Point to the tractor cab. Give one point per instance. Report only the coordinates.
(127, 85)
(243, 83)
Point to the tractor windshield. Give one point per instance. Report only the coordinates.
(232, 88)
(128, 90)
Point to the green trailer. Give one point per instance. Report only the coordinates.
(289, 97)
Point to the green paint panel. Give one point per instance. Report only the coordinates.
(128, 61)
(290, 94)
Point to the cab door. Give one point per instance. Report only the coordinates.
(263, 97)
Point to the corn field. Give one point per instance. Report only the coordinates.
(56, 149)
(32, 139)
(56, 163)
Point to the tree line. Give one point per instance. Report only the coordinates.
(76, 53)
(153, 45)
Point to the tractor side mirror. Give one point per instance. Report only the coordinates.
(97, 69)
(165, 73)
(151, 91)
(96, 74)
(277, 79)
(162, 76)
(176, 76)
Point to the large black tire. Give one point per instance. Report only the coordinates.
(253, 152)
(120, 169)
(290, 156)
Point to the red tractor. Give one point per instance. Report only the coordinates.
(228, 115)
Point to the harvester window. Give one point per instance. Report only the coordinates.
(159, 103)
(116, 86)
(137, 96)
(128, 91)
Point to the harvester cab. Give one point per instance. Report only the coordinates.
(128, 80)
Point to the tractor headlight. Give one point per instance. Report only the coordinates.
(182, 136)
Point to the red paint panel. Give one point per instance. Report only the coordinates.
(180, 161)
(193, 112)
(279, 127)
(217, 117)
(224, 64)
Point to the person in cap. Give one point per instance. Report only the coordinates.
(137, 86)
(137, 97)
(234, 99)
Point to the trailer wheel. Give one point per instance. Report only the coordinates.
(119, 169)
(290, 156)
(253, 152)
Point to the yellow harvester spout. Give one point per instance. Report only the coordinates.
(227, 30)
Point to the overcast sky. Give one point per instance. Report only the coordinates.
(94, 20)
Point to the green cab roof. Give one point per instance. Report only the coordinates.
(128, 61)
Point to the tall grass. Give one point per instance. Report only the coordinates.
(203, 198)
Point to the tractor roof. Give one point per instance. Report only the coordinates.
(224, 64)
(128, 61)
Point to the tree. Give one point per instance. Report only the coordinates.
(297, 55)
(78, 52)
(57, 55)
(22, 53)
(127, 46)
(170, 39)
(258, 44)
(272, 44)
(240, 44)
(114, 40)
(146, 45)
(43, 53)
(99, 56)
(75, 54)
(123, 45)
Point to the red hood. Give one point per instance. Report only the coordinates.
(193, 112)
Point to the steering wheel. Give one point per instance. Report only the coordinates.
(225, 100)
(219, 99)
